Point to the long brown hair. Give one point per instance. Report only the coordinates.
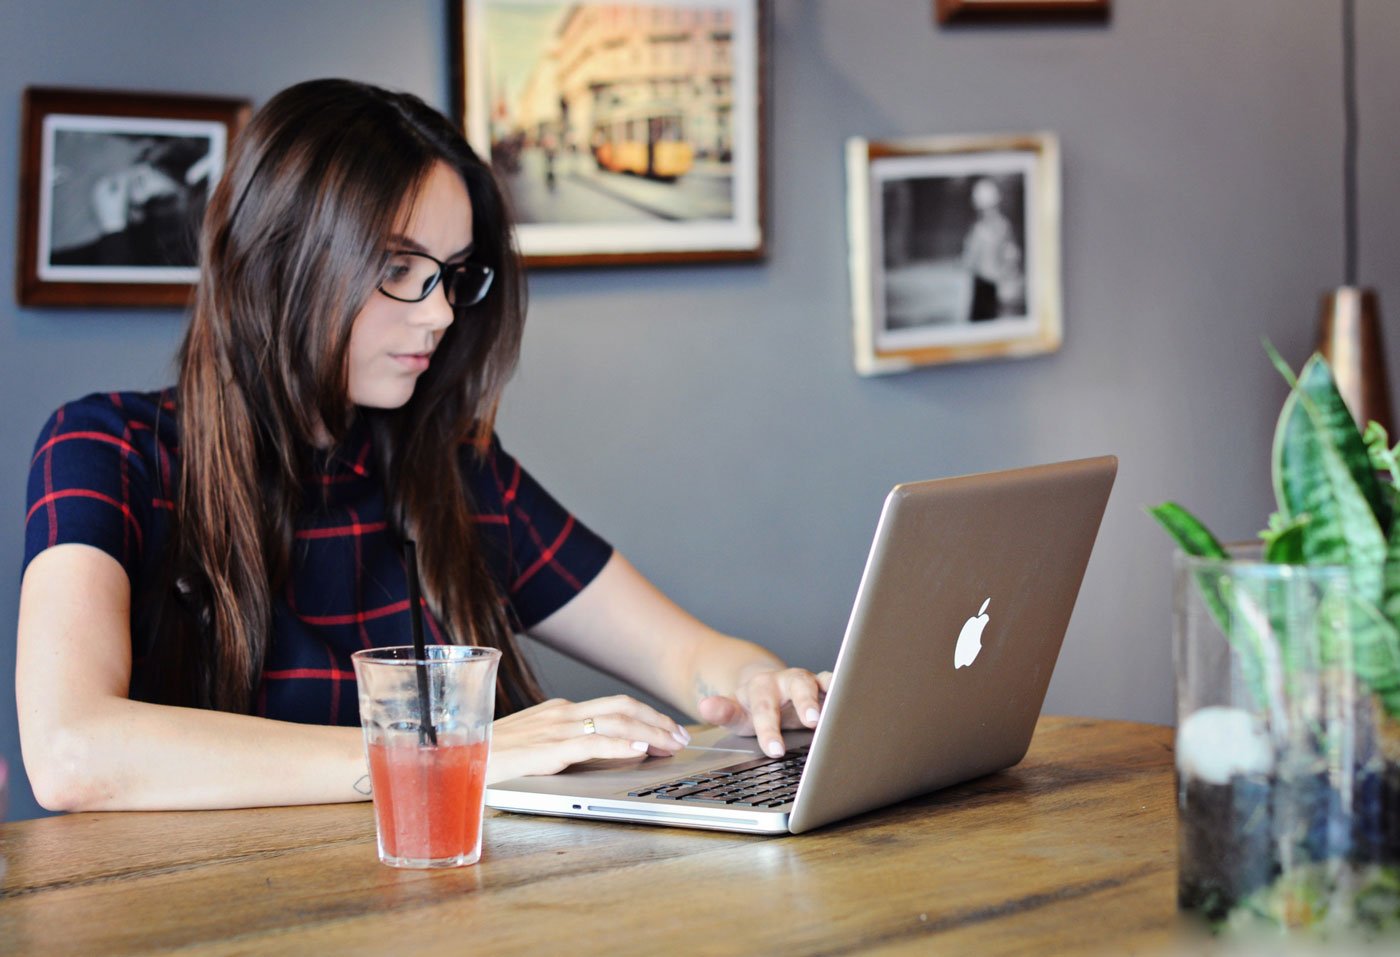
(293, 243)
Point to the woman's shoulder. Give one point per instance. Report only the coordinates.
(116, 412)
(133, 419)
(483, 461)
(500, 486)
(102, 474)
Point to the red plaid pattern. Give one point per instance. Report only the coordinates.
(104, 473)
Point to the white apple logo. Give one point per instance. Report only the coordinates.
(970, 638)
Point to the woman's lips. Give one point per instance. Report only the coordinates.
(413, 361)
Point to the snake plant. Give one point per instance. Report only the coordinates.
(1332, 509)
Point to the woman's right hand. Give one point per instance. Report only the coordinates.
(550, 736)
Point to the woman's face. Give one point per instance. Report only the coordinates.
(392, 342)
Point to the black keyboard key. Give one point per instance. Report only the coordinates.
(749, 765)
(712, 802)
(766, 782)
(679, 793)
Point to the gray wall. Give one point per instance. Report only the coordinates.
(708, 419)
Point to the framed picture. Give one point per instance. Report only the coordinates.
(112, 191)
(954, 245)
(623, 131)
(959, 11)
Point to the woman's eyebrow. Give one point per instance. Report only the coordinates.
(408, 245)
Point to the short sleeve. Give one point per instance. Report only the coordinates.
(541, 553)
(89, 482)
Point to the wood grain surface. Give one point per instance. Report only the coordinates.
(1071, 851)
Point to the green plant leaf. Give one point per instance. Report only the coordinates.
(1321, 468)
(1281, 364)
(1189, 532)
(1251, 620)
(1234, 612)
(1390, 574)
(1194, 539)
(1366, 636)
(1283, 539)
(1383, 457)
(1332, 510)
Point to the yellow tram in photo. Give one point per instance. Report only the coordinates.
(643, 141)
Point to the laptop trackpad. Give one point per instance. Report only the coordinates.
(710, 748)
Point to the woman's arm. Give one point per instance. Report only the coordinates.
(88, 747)
(623, 625)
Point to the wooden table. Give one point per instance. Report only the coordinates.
(1071, 851)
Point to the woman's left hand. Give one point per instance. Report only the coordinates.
(767, 701)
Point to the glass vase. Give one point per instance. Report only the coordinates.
(1288, 746)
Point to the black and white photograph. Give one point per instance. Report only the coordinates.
(114, 201)
(124, 197)
(953, 249)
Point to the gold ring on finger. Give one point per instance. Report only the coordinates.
(589, 727)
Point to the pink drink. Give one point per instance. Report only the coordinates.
(428, 802)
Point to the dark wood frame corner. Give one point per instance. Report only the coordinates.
(970, 11)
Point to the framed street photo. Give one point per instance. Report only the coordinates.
(962, 11)
(954, 249)
(112, 191)
(623, 131)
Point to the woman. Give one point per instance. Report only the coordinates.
(201, 562)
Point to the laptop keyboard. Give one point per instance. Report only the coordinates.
(762, 782)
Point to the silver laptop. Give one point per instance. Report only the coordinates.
(957, 623)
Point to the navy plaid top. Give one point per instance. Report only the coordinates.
(104, 474)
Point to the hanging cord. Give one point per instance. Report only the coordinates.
(1349, 106)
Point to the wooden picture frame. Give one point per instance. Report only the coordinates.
(954, 249)
(622, 131)
(964, 11)
(112, 189)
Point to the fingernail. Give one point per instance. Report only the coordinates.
(639, 745)
(812, 715)
(774, 749)
(681, 737)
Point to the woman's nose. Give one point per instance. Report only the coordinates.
(434, 311)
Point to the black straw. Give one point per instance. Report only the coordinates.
(426, 731)
(1349, 106)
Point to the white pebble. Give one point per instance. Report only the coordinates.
(1216, 744)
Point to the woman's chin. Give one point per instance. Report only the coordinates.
(387, 396)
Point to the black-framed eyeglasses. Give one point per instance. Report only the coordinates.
(412, 277)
